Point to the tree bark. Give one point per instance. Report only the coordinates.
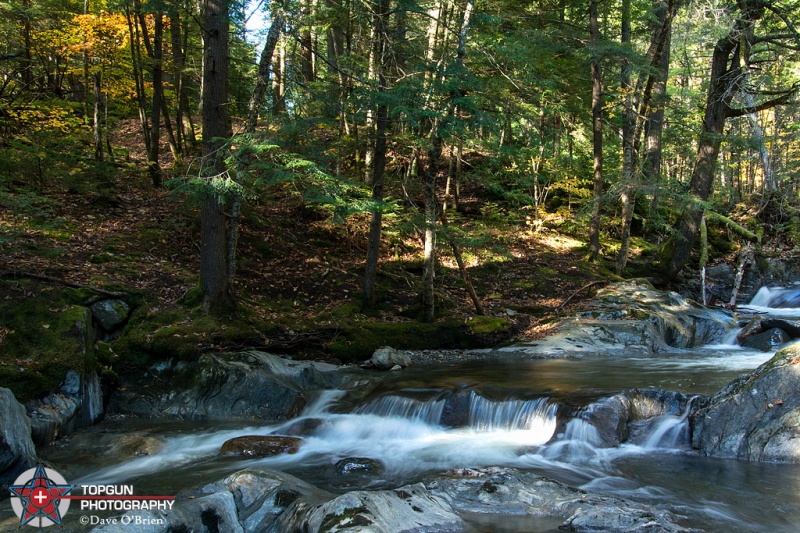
(640, 105)
(214, 280)
(155, 50)
(263, 77)
(381, 9)
(597, 136)
(430, 172)
(98, 122)
(654, 125)
(138, 71)
(721, 89)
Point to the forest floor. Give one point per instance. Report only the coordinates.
(297, 269)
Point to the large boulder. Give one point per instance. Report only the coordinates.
(632, 317)
(17, 452)
(247, 385)
(756, 417)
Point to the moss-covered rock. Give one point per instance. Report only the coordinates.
(42, 337)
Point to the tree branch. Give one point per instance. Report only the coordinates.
(769, 104)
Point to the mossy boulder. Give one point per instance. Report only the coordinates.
(44, 333)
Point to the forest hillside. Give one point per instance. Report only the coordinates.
(323, 178)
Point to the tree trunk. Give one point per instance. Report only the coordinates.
(155, 50)
(654, 125)
(263, 78)
(721, 89)
(214, 281)
(381, 9)
(138, 71)
(279, 80)
(642, 96)
(628, 194)
(430, 172)
(597, 136)
(98, 122)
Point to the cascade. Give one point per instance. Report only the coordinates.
(488, 415)
(429, 412)
(671, 430)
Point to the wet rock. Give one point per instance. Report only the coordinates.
(78, 404)
(455, 412)
(507, 491)
(753, 327)
(407, 509)
(756, 417)
(248, 501)
(17, 452)
(130, 446)
(632, 317)
(110, 314)
(791, 327)
(387, 358)
(768, 341)
(260, 445)
(247, 385)
(358, 466)
(628, 517)
(304, 427)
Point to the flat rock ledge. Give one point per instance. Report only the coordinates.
(264, 501)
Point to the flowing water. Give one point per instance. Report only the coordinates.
(513, 412)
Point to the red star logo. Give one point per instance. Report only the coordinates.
(40, 497)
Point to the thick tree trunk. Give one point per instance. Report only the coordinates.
(279, 80)
(214, 280)
(597, 136)
(721, 89)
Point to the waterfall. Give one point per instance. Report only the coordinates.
(429, 412)
(488, 415)
(670, 431)
(579, 442)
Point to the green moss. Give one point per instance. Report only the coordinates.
(43, 337)
(357, 342)
(488, 325)
(155, 334)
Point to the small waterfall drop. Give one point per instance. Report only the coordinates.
(429, 412)
(670, 431)
(488, 415)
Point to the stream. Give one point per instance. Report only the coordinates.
(517, 412)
